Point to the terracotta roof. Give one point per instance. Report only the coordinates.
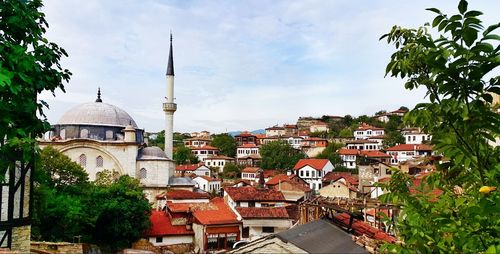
(277, 179)
(263, 212)
(250, 170)
(197, 139)
(303, 133)
(365, 126)
(244, 181)
(249, 145)
(317, 164)
(345, 151)
(260, 136)
(250, 193)
(179, 207)
(315, 139)
(362, 228)
(361, 141)
(410, 147)
(161, 225)
(219, 157)
(270, 172)
(245, 134)
(185, 194)
(204, 148)
(377, 137)
(399, 111)
(290, 126)
(275, 128)
(335, 176)
(373, 154)
(189, 167)
(218, 213)
(210, 179)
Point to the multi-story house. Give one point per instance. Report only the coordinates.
(363, 144)
(218, 161)
(312, 171)
(197, 142)
(198, 169)
(365, 131)
(245, 138)
(275, 131)
(406, 152)
(204, 152)
(261, 210)
(415, 136)
(208, 184)
(348, 157)
(246, 150)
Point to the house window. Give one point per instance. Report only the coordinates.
(245, 233)
(62, 133)
(99, 162)
(251, 204)
(84, 133)
(267, 229)
(307, 173)
(159, 239)
(143, 173)
(313, 174)
(83, 160)
(109, 134)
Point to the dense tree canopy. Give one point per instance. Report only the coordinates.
(331, 154)
(279, 155)
(458, 71)
(183, 155)
(111, 212)
(231, 170)
(226, 144)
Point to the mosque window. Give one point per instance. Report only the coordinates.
(99, 161)
(109, 134)
(143, 173)
(84, 133)
(62, 133)
(83, 160)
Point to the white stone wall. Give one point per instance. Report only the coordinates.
(170, 240)
(157, 172)
(255, 226)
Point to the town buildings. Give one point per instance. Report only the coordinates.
(312, 171)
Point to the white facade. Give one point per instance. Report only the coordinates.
(245, 151)
(208, 185)
(204, 152)
(261, 227)
(366, 133)
(313, 176)
(348, 160)
(218, 162)
(171, 240)
(416, 138)
(366, 145)
(294, 142)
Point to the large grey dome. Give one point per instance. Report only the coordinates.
(97, 113)
(151, 153)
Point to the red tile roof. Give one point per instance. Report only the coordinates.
(190, 167)
(345, 151)
(219, 157)
(218, 213)
(288, 178)
(250, 170)
(365, 126)
(410, 147)
(361, 141)
(263, 212)
(373, 154)
(210, 179)
(161, 226)
(317, 164)
(249, 145)
(245, 134)
(277, 179)
(270, 172)
(260, 136)
(185, 194)
(335, 176)
(362, 228)
(315, 139)
(204, 148)
(250, 193)
(377, 137)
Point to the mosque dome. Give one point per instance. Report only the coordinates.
(151, 152)
(97, 113)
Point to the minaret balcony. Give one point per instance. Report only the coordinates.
(169, 107)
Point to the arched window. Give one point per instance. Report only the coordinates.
(143, 173)
(62, 133)
(99, 161)
(84, 133)
(83, 160)
(109, 134)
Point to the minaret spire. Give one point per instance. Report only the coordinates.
(169, 106)
(98, 95)
(170, 66)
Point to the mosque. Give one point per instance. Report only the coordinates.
(100, 136)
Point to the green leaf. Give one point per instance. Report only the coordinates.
(436, 20)
(434, 10)
(491, 28)
(462, 6)
(473, 14)
(491, 37)
(469, 35)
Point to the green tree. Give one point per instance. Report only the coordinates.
(231, 170)
(29, 65)
(331, 154)
(159, 140)
(226, 144)
(457, 70)
(183, 155)
(345, 133)
(393, 138)
(120, 213)
(279, 155)
(404, 108)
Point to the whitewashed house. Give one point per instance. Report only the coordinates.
(247, 150)
(312, 171)
(365, 131)
(406, 152)
(218, 161)
(208, 184)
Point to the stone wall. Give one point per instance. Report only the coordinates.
(144, 244)
(59, 247)
(21, 238)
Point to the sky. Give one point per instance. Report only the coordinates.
(239, 65)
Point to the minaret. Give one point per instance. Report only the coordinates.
(169, 106)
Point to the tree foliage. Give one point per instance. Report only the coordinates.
(231, 170)
(183, 155)
(457, 70)
(331, 154)
(226, 144)
(279, 155)
(112, 212)
(29, 65)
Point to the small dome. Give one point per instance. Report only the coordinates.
(97, 113)
(151, 152)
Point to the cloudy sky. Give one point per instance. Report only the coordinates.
(239, 65)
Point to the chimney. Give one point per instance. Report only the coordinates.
(289, 172)
(261, 179)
